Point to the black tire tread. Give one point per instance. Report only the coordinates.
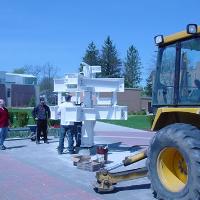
(188, 137)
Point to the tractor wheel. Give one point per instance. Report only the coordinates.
(173, 163)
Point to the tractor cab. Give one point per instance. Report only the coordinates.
(177, 78)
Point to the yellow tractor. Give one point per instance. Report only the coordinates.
(173, 156)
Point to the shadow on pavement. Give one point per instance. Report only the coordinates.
(16, 147)
(13, 139)
(132, 187)
(137, 148)
(118, 147)
(125, 188)
(53, 141)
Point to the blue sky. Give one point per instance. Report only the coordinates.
(35, 32)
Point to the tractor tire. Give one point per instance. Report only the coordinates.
(173, 163)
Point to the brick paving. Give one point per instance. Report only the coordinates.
(33, 172)
(24, 182)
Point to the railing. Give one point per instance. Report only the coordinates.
(26, 132)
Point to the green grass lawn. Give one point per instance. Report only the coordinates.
(134, 121)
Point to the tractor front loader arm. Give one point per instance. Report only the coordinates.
(106, 179)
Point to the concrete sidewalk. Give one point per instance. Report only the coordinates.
(34, 172)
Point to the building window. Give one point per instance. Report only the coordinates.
(8, 92)
(30, 81)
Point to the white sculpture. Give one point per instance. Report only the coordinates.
(93, 107)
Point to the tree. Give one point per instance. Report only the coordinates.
(151, 71)
(110, 63)
(132, 65)
(48, 74)
(46, 84)
(149, 83)
(91, 56)
(35, 70)
(20, 70)
(45, 77)
(44, 73)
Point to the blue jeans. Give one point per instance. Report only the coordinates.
(77, 132)
(3, 135)
(69, 131)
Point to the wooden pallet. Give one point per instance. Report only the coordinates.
(85, 163)
(89, 166)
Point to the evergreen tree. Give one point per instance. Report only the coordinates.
(110, 63)
(91, 56)
(151, 71)
(149, 83)
(132, 65)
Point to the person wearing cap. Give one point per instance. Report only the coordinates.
(4, 123)
(67, 127)
(41, 114)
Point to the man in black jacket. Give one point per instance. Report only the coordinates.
(41, 114)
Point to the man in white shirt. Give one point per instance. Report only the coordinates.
(66, 127)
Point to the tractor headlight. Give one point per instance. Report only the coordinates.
(192, 28)
(159, 39)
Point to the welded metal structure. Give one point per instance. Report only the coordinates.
(86, 90)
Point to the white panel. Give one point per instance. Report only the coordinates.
(109, 112)
(59, 85)
(104, 112)
(54, 114)
(72, 114)
(104, 101)
(87, 136)
(89, 114)
(105, 84)
(71, 79)
(96, 69)
(77, 113)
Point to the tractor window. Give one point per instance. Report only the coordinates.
(189, 87)
(164, 83)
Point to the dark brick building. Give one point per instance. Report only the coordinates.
(2, 91)
(18, 90)
(132, 98)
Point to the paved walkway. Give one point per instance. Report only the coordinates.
(34, 172)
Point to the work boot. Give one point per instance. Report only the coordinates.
(60, 152)
(3, 147)
(37, 142)
(46, 141)
(71, 152)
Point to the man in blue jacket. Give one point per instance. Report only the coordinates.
(41, 114)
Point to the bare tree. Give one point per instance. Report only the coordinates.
(45, 74)
(48, 73)
(35, 70)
